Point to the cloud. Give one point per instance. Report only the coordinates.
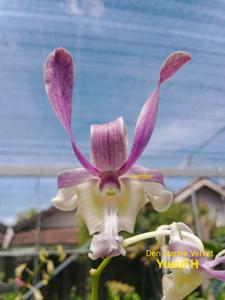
(93, 8)
(182, 134)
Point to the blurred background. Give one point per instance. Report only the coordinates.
(118, 47)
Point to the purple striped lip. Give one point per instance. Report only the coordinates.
(109, 145)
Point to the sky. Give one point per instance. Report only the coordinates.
(118, 47)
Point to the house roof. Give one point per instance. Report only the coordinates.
(31, 222)
(2, 228)
(26, 233)
(65, 236)
(196, 186)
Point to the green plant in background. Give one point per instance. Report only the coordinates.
(24, 275)
(220, 295)
(194, 296)
(2, 276)
(9, 296)
(120, 291)
(218, 233)
(151, 219)
(73, 294)
(214, 291)
(26, 215)
(82, 233)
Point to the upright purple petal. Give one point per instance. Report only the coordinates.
(59, 80)
(147, 118)
(109, 145)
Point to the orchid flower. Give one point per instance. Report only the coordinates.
(109, 190)
(190, 251)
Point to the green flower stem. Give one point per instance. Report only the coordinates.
(154, 234)
(95, 275)
(144, 236)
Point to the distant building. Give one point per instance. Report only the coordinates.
(2, 232)
(50, 227)
(204, 195)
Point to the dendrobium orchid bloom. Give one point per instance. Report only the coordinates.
(109, 191)
(188, 260)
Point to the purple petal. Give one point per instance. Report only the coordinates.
(215, 262)
(104, 245)
(140, 173)
(73, 177)
(147, 118)
(68, 183)
(184, 246)
(220, 275)
(109, 145)
(109, 184)
(153, 186)
(59, 78)
(172, 64)
(204, 264)
(208, 265)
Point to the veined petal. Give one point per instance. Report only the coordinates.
(59, 80)
(218, 274)
(144, 174)
(147, 118)
(109, 145)
(73, 177)
(66, 198)
(208, 266)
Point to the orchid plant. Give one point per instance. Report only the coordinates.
(109, 190)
